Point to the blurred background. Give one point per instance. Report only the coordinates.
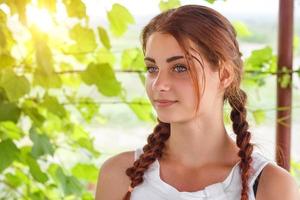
(72, 87)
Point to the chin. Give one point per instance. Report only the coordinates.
(167, 119)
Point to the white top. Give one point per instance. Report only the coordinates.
(154, 188)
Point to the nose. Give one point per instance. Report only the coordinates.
(161, 82)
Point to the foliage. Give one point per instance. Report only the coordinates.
(38, 95)
(40, 76)
(295, 171)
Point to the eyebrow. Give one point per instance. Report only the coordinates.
(168, 59)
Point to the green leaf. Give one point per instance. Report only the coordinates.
(78, 132)
(9, 130)
(47, 80)
(49, 4)
(87, 196)
(84, 38)
(54, 125)
(53, 106)
(103, 76)
(119, 18)
(24, 152)
(89, 110)
(88, 145)
(6, 60)
(71, 80)
(53, 167)
(142, 78)
(41, 144)
(8, 153)
(82, 139)
(13, 180)
(295, 169)
(254, 80)
(37, 195)
(169, 4)
(133, 59)
(142, 108)
(35, 170)
(14, 86)
(105, 56)
(86, 172)
(22, 176)
(30, 108)
(3, 16)
(241, 29)
(259, 116)
(285, 79)
(261, 60)
(226, 117)
(104, 37)
(43, 53)
(3, 96)
(6, 38)
(66, 66)
(18, 7)
(52, 192)
(72, 186)
(75, 8)
(18, 178)
(9, 112)
(296, 42)
(211, 1)
(69, 184)
(44, 75)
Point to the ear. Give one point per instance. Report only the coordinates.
(226, 75)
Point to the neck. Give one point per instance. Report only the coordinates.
(200, 141)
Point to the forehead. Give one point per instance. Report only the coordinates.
(162, 44)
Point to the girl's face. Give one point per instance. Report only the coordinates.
(168, 79)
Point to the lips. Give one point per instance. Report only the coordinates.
(164, 102)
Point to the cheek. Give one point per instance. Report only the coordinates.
(192, 97)
(148, 88)
(187, 93)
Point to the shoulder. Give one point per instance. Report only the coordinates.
(112, 180)
(276, 183)
(125, 158)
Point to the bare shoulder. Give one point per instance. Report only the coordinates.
(276, 183)
(112, 180)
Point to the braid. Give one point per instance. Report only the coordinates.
(215, 38)
(152, 150)
(240, 127)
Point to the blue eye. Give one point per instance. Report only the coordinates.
(178, 68)
(150, 69)
(181, 68)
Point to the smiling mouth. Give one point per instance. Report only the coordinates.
(164, 103)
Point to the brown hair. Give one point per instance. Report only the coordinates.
(215, 39)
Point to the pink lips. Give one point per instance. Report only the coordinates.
(164, 103)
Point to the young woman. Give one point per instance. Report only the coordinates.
(193, 67)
